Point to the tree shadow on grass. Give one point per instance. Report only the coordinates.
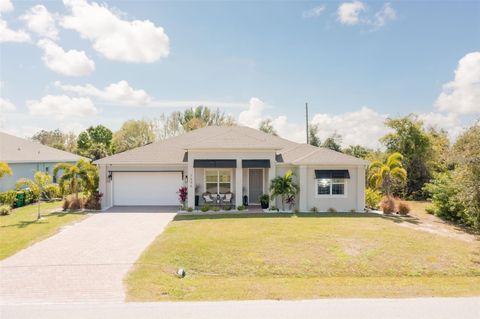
(26, 223)
(247, 215)
(403, 219)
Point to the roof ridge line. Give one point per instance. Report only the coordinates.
(305, 156)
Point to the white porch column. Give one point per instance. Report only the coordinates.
(271, 175)
(191, 183)
(239, 183)
(303, 183)
(360, 188)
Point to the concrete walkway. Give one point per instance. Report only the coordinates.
(419, 308)
(84, 262)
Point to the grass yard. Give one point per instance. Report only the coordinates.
(21, 229)
(306, 256)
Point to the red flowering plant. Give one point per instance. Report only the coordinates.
(182, 195)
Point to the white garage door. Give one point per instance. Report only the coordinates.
(146, 188)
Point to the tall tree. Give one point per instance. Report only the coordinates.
(95, 142)
(54, 138)
(333, 142)
(357, 151)
(132, 134)
(383, 176)
(313, 138)
(266, 126)
(467, 173)
(410, 139)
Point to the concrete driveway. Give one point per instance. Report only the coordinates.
(85, 261)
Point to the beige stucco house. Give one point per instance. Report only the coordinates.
(233, 159)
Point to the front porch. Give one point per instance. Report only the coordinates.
(245, 180)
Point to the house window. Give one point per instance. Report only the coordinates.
(218, 181)
(331, 186)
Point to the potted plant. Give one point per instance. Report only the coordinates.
(197, 197)
(264, 201)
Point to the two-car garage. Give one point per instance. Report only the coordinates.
(146, 188)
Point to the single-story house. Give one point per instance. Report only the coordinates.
(27, 157)
(233, 159)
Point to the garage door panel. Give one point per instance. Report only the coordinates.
(146, 188)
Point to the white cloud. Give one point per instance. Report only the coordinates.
(113, 37)
(387, 13)
(40, 21)
(363, 127)
(313, 12)
(254, 114)
(6, 106)
(449, 122)
(121, 93)
(354, 13)
(5, 6)
(71, 62)
(462, 95)
(9, 35)
(349, 12)
(61, 106)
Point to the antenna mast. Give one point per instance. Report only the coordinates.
(306, 121)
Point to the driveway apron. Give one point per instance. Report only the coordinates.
(84, 262)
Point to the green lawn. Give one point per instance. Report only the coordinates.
(21, 229)
(307, 256)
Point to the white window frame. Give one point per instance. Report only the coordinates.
(218, 177)
(345, 188)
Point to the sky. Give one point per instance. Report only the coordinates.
(75, 63)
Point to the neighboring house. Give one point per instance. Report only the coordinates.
(27, 157)
(237, 159)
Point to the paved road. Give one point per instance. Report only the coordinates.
(421, 308)
(84, 262)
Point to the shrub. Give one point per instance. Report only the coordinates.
(216, 208)
(182, 195)
(296, 211)
(8, 198)
(227, 207)
(72, 203)
(205, 208)
(51, 191)
(5, 210)
(372, 198)
(273, 207)
(314, 210)
(387, 204)
(331, 210)
(403, 208)
(189, 209)
(241, 207)
(94, 202)
(353, 210)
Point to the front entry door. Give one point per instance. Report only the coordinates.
(255, 185)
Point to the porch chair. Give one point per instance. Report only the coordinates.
(207, 198)
(227, 198)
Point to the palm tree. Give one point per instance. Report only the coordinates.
(382, 176)
(38, 185)
(77, 176)
(5, 169)
(284, 186)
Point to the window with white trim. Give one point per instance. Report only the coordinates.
(331, 186)
(218, 181)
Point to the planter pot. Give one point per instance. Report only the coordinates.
(264, 205)
(197, 200)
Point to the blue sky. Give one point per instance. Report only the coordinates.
(354, 62)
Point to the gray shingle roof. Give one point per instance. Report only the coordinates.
(172, 150)
(18, 150)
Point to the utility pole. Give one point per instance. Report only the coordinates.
(306, 121)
